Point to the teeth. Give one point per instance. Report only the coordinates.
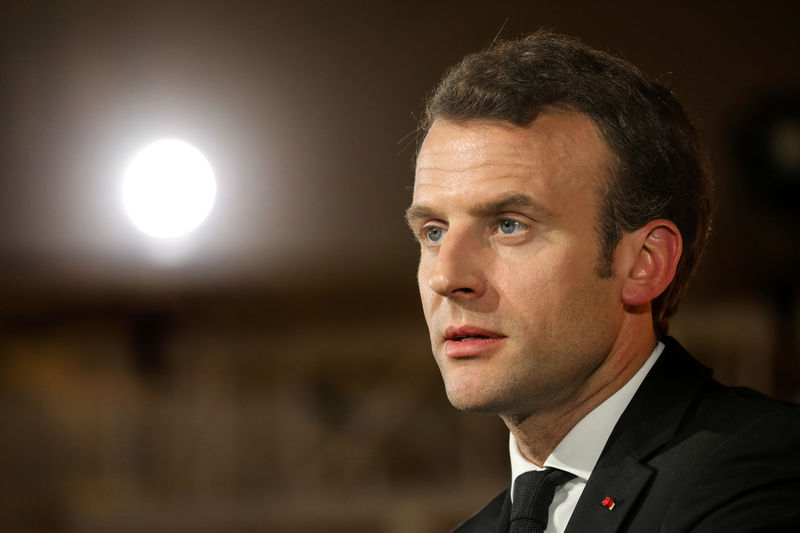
(462, 339)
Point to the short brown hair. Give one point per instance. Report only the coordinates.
(660, 169)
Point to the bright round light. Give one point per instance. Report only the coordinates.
(168, 189)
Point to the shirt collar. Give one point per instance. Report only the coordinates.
(580, 449)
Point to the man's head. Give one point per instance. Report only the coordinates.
(657, 168)
(559, 197)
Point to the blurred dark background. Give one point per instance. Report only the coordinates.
(271, 372)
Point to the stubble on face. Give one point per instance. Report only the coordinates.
(538, 289)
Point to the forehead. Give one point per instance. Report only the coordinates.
(556, 156)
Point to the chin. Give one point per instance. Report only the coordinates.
(472, 402)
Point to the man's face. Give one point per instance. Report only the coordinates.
(506, 218)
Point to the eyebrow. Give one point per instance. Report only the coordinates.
(487, 208)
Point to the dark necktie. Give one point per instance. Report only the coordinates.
(533, 494)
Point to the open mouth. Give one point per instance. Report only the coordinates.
(471, 342)
(469, 335)
(470, 338)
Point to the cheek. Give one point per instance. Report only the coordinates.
(426, 295)
(529, 278)
(422, 279)
(545, 290)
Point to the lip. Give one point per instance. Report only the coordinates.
(470, 341)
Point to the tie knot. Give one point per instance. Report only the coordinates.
(533, 494)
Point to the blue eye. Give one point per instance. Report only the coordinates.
(509, 226)
(434, 234)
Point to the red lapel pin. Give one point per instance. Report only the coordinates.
(608, 503)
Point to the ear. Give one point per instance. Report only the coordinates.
(652, 254)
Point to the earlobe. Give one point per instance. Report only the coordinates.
(656, 251)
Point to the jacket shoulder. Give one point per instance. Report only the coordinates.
(488, 519)
(732, 463)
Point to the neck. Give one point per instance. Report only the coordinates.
(538, 433)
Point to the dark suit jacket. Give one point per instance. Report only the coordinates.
(687, 455)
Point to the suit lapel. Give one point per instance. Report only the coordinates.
(618, 476)
(650, 420)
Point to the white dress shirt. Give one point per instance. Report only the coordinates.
(580, 449)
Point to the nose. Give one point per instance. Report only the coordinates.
(458, 267)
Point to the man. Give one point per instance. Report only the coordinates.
(561, 201)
